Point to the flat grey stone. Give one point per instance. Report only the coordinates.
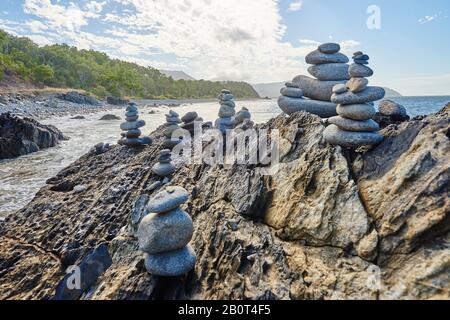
(131, 109)
(330, 71)
(359, 71)
(350, 139)
(229, 103)
(316, 89)
(226, 97)
(353, 125)
(291, 85)
(169, 231)
(391, 108)
(173, 120)
(167, 200)
(131, 119)
(291, 92)
(356, 111)
(317, 57)
(321, 108)
(367, 95)
(340, 88)
(189, 117)
(163, 169)
(134, 133)
(226, 111)
(135, 142)
(329, 48)
(132, 125)
(131, 113)
(172, 263)
(357, 84)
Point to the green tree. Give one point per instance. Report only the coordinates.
(43, 73)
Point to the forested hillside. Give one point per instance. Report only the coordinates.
(95, 72)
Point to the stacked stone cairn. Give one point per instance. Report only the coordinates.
(131, 135)
(354, 126)
(164, 234)
(329, 68)
(242, 120)
(172, 124)
(165, 167)
(226, 111)
(189, 121)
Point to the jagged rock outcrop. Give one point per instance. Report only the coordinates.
(79, 98)
(23, 136)
(331, 224)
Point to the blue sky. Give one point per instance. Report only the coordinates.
(252, 40)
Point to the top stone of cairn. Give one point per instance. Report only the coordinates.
(329, 48)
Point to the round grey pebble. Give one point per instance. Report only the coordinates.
(354, 125)
(356, 111)
(167, 200)
(350, 139)
(172, 263)
(169, 231)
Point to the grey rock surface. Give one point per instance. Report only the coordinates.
(352, 125)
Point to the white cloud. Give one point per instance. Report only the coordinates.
(427, 19)
(210, 39)
(36, 26)
(95, 6)
(213, 38)
(57, 16)
(296, 5)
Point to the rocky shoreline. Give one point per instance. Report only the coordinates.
(331, 224)
(42, 106)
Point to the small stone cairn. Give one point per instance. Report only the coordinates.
(189, 121)
(242, 120)
(354, 126)
(164, 234)
(329, 67)
(172, 124)
(226, 111)
(165, 167)
(131, 135)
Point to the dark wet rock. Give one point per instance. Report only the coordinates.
(78, 118)
(79, 98)
(117, 101)
(23, 136)
(90, 268)
(110, 117)
(393, 109)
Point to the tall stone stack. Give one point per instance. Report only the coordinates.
(172, 124)
(164, 234)
(329, 67)
(226, 111)
(132, 134)
(354, 126)
(165, 167)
